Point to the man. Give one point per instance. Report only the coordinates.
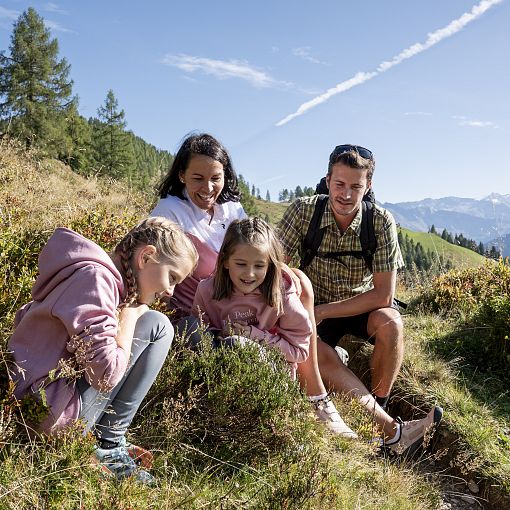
(349, 297)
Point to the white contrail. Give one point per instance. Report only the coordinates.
(432, 39)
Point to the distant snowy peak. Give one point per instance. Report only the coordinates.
(497, 198)
(482, 220)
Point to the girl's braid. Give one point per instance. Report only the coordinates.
(126, 249)
(169, 240)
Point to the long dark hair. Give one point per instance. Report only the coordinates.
(205, 145)
(254, 232)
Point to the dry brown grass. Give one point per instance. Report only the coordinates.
(42, 193)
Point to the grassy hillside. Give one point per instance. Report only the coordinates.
(459, 256)
(227, 430)
(274, 210)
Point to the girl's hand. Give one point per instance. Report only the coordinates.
(236, 328)
(128, 316)
(241, 329)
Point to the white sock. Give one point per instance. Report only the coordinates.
(314, 398)
(396, 437)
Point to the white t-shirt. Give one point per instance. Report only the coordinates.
(195, 221)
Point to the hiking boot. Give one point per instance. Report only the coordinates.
(118, 462)
(414, 433)
(326, 412)
(343, 355)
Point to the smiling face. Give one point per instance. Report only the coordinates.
(203, 179)
(157, 279)
(346, 189)
(247, 267)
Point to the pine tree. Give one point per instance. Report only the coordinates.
(247, 199)
(252, 190)
(35, 88)
(76, 151)
(268, 196)
(112, 145)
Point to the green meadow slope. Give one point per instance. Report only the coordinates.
(459, 256)
(229, 431)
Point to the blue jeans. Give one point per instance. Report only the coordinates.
(110, 414)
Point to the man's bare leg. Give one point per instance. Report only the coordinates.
(339, 378)
(386, 326)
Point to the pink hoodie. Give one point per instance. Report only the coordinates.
(290, 332)
(73, 316)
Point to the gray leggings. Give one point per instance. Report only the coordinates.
(110, 414)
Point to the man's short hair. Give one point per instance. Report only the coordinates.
(352, 159)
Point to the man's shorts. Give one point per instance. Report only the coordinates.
(332, 330)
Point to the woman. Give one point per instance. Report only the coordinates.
(201, 194)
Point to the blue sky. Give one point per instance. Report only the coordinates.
(424, 85)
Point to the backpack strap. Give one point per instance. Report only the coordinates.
(367, 234)
(314, 234)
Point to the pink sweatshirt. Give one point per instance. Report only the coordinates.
(75, 295)
(290, 332)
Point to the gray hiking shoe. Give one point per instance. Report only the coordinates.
(414, 433)
(119, 463)
(343, 355)
(326, 412)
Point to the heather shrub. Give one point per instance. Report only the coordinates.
(479, 299)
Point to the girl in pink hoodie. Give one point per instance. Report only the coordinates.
(251, 295)
(87, 347)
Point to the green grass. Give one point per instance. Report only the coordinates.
(459, 256)
(476, 439)
(274, 210)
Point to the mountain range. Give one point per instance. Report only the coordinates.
(486, 219)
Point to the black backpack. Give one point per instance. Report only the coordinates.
(314, 235)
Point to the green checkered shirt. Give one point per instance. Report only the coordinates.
(335, 280)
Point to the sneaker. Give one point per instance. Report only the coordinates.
(326, 412)
(141, 456)
(414, 433)
(342, 354)
(118, 462)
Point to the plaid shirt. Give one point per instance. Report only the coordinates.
(335, 280)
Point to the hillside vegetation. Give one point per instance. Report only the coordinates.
(230, 431)
(459, 257)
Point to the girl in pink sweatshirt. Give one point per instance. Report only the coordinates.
(87, 347)
(252, 295)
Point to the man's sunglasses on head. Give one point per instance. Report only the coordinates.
(362, 151)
